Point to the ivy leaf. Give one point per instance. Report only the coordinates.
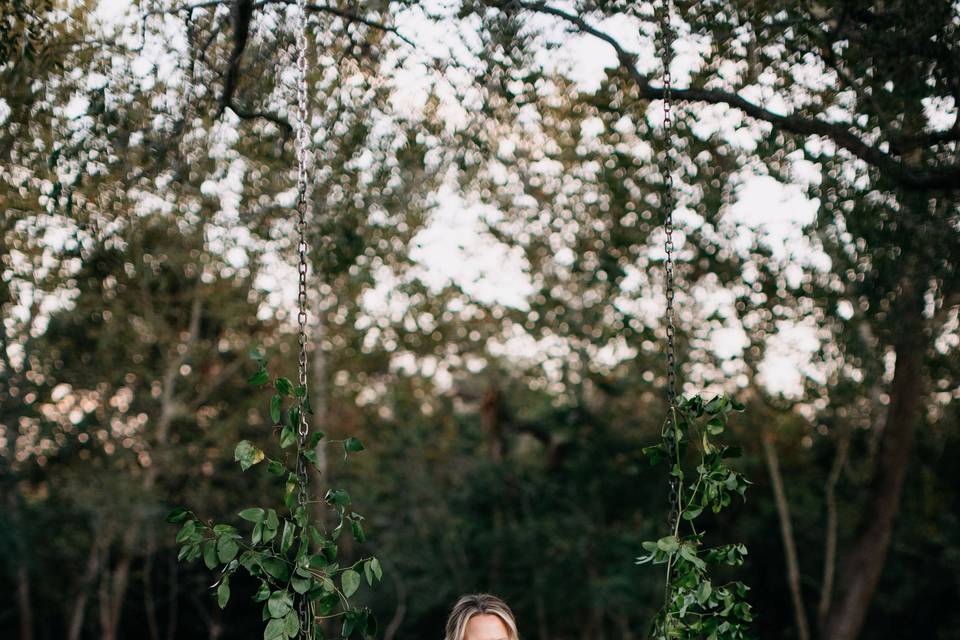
(247, 454)
(704, 591)
(223, 592)
(279, 604)
(654, 453)
(187, 531)
(301, 584)
(350, 581)
(272, 520)
(283, 386)
(310, 455)
(688, 553)
(262, 593)
(291, 624)
(261, 377)
(178, 515)
(717, 405)
(352, 445)
(253, 514)
(715, 426)
(276, 468)
(276, 568)
(227, 549)
(668, 544)
(692, 513)
(338, 497)
(315, 439)
(357, 529)
(288, 437)
(275, 630)
(286, 540)
(276, 408)
(210, 554)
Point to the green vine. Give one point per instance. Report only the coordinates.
(295, 562)
(694, 606)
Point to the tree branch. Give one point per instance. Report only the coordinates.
(906, 177)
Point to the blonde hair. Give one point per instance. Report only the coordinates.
(479, 604)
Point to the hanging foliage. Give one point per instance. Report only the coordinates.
(695, 607)
(302, 581)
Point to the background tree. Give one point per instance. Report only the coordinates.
(146, 186)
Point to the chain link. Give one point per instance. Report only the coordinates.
(669, 203)
(302, 148)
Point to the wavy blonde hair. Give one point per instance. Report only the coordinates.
(478, 604)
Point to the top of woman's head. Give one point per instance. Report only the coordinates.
(480, 604)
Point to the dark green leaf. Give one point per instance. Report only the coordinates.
(210, 554)
(276, 408)
(338, 497)
(286, 540)
(178, 515)
(227, 549)
(261, 377)
(288, 437)
(352, 445)
(284, 387)
(357, 529)
(276, 567)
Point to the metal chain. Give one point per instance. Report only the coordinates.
(302, 147)
(669, 203)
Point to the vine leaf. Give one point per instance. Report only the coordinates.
(350, 581)
(223, 592)
(279, 604)
(247, 454)
(261, 377)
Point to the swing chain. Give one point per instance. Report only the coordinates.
(302, 147)
(669, 199)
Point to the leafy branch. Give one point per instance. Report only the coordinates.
(694, 606)
(301, 579)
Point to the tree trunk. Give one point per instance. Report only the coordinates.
(113, 587)
(830, 541)
(320, 476)
(149, 600)
(79, 608)
(23, 571)
(401, 611)
(23, 601)
(490, 417)
(863, 564)
(786, 533)
(173, 599)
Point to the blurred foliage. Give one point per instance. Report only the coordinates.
(145, 190)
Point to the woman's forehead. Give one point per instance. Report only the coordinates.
(486, 626)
